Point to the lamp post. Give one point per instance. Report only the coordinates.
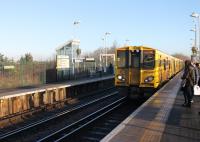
(75, 23)
(101, 51)
(126, 42)
(194, 46)
(106, 34)
(196, 15)
(195, 35)
(193, 42)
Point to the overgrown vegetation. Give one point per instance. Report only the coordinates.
(24, 72)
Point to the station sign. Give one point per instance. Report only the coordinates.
(8, 67)
(89, 59)
(62, 61)
(78, 60)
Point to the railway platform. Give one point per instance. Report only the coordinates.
(23, 91)
(162, 118)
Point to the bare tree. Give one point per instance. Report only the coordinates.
(181, 56)
(27, 58)
(96, 54)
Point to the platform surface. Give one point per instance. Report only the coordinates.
(23, 91)
(161, 119)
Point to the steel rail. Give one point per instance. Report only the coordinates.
(46, 120)
(76, 126)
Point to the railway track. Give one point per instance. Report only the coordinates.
(68, 131)
(18, 134)
(98, 129)
(97, 125)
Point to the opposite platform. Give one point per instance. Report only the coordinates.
(161, 118)
(20, 101)
(18, 92)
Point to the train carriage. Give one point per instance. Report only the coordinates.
(141, 69)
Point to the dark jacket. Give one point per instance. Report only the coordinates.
(190, 75)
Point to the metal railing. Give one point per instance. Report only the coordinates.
(24, 74)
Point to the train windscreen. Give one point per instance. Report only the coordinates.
(148, 59)
(135, 59)
(122, 58)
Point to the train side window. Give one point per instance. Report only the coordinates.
(129, 60)
(165, 64)
(174, 66)
(160, 63)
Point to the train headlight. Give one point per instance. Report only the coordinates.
(119, 77)
(149, 79)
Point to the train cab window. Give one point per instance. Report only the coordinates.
(122, 60)
(148, 59)
(136, 62)
(135, 58)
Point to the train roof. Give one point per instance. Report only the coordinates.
(146, 48)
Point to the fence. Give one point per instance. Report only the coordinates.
(36, 73)
(24, 74)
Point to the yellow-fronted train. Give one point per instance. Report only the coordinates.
(141, 69)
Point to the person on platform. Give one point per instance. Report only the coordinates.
(100, 70)
(111, 68)
(198, 69)
(196, 76)
(189, 79)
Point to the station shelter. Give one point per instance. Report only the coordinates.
(66, 55)
(90, 63)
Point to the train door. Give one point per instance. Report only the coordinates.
(167, 68)
(134, 63)
(164, 69)
(160, 70)
(170, 73)
(174, 67)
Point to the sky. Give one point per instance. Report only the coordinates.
(40, 26)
